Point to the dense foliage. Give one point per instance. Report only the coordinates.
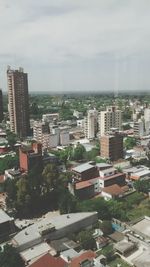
(9, 257)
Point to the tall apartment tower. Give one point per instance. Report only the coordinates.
(18, 101)
(112, 146)
(111, 118)
(90, 124)
(1, 106)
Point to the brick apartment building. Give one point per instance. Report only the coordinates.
(30, 157)
(112, 146)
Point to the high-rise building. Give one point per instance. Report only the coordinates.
(138, 128)
(109, 119)
(112, 146)
(90, 124)
(1, 106)
(18, 101)
(41, 133)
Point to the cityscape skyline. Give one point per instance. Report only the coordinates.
(73, 46)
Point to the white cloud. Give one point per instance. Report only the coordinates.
(76, 44)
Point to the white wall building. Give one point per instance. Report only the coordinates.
(111, 118)
(90, 124)
(64, 138)
(50, 117)
(138, 128)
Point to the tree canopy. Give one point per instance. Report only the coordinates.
(9, 257)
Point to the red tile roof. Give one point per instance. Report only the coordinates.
(113, 190)
(49, 261)
(87, 255)
(82, 185)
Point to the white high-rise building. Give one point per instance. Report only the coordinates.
(90, 124)
(147, 114)
(109, 119)
(138, 128)
(41, 133)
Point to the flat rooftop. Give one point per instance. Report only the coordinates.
(32, 232)
(120, 174)
(36, 251)
(108, 170)
(4, 217)
(82, 185)
(143, 226)
(83, 167)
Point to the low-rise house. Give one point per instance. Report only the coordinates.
(110, 177)
(114, 191)
(48, 260)
(103, 166)
(85, 171)
(81, 259)
(125, 247)
(63, 244)
(139, 172)
(84, 190)
(6, 224)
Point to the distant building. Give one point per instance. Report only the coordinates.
(30, 157)
(111, 146)
(77, 114)
(41, 133)
(85, 171)
(91, 124)
(18, 101)
(64, 138)
(1, 106)
(110, 177)
(50, 117)
(138, 128)
(111, 118)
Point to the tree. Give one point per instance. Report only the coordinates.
(142, 186)
(11, 138)
(106, 227)
(8, 162)
(67, 202)
(86, 240)
(91, 155)
(9, 257)
(50, 177)
(79, 152)
(129, 142)
(11, 189)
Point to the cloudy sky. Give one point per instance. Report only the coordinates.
(77, 45)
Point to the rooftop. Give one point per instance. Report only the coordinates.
(87, 255)
(112, 176)
(124, 246)
(113, 190)
(143, 260)
(4, 217)
(83, 167)
(103, 165)
(48, 261)
(36, 251)
(108, 170)
(32, 232)
(143, 226)
(82, 185)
